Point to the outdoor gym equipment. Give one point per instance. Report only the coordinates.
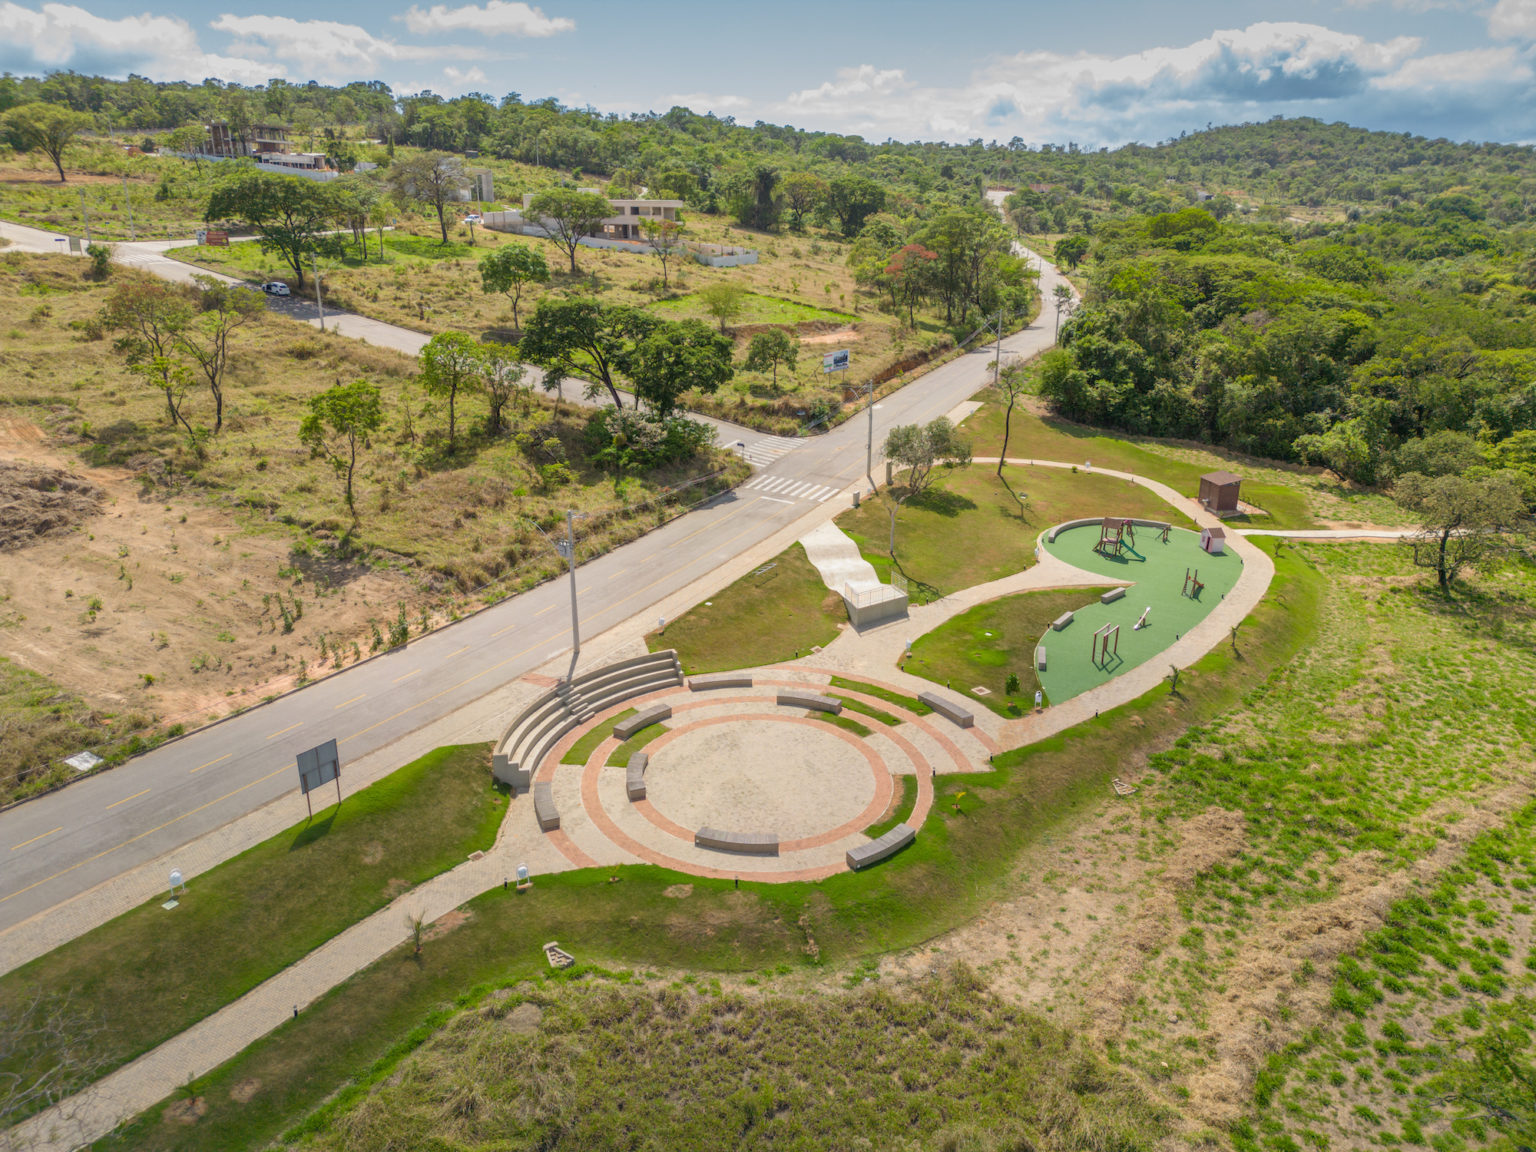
(1106, 642)
(1142, 623)
(1192, 585)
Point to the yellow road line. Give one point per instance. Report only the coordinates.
(135, 839)
(211, 763)
(460, 652)
(354, 700)
(290, 728)
(407, 676)
(35, 839)
(125, 799)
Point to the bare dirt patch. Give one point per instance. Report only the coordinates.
(446, 923)
(186, 1111)
(678, 891)
(38, 502)
(841, 336)
(245, 1091)
(524, 1019)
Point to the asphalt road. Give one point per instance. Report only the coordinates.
(62, 844)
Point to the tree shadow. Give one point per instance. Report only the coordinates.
(942, 502)
(1021, 500)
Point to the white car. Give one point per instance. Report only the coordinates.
(472, 218)
(276, 288)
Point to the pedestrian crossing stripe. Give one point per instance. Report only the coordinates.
(766, 450)
(788, 486)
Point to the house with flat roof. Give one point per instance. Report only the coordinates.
(258, 139)
(627, 216)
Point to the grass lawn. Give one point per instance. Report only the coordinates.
(361, 1030)
(852, 705)
(592, 738)
(910, 703)
(901, 806)
(756, 309)
(150, 974)
(983, 646)
(1293, 497)
(780, 611)
(972, 527)
(619, 757)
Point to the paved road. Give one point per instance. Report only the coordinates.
(62, 844)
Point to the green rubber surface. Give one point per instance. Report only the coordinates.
(1158, 571)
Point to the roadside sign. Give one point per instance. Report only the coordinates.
(319, 765)
(835, 361)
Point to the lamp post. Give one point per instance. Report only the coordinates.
(315, 268)
(566, 550)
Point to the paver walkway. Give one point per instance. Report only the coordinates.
(872, 653)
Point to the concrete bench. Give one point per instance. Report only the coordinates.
(1112, 595)
(705, 683)
(1061, 621)
(544, 810)
(878, 849)
(812, 700)
(747, 843)
(1040, 658)
(634, 776)
(628, 726)
(961, 716)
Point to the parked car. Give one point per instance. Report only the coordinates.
(276, 288)
(472, 218)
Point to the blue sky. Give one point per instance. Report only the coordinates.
(1094, 71)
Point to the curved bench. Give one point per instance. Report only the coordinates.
(628, 726)
(705, 683)
(1057, 530)
(634, 776)
(881, 847)
(536, 730)
(544, 810)
(747, 843)
(948, 709)
(812, 700)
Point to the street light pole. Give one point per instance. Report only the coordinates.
(569, 548)
(997, 361)
(869, 447)
(315, 268)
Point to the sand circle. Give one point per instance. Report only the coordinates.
(790, 775)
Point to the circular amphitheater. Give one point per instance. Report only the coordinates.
(766, 774)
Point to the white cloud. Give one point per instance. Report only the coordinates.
(1248, 73)
(462, 80)
(66, 36)
(705, 101)
(1513, 20)
(497, 18)
(324, 49)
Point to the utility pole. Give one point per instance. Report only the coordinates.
(87, 217)
(997, 361)
(128, 205)
(567, 548)
(869, 447)
(315, 268)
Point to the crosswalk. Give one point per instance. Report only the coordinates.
(766, 449)
(788, 488)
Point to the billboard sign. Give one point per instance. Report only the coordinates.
(318, 765)
(835, 361)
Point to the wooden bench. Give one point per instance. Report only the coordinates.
(961, 716)
(880, 848)
(628, 726)
(1112, 595)
(1040, 658)
(1061, 621)
(747, 843)
(812, 700)
(705, 683)
(634, 776)
(544, 810)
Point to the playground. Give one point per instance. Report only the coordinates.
(1176, 584)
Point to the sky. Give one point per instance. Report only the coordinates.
(1095, 72)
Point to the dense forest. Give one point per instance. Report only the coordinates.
(1292, 289)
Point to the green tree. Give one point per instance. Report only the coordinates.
(919, 447)
(432, 179)
(1493, 1073)
(339, 424)
(222, 308)
(503, 375)
(511, 268)
(804, 192)
(853, 199)
(152, 318)
(292, 216)
(581, 337)
(908, 276)
(769, 350)
(666, 240)
(570, 215)
(1012, 382)
(674, 358)
(1070, 250)
(724, 301)
(1463, 520)
(46, 128)
(451, 362)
